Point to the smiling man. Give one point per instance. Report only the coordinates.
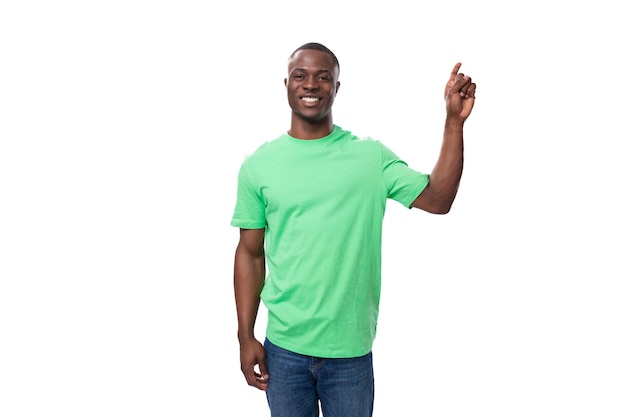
(310, 207)
(312, 83)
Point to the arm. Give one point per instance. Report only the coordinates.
(445, 177)
(249, 277)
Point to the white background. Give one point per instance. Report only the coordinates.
(123, 124)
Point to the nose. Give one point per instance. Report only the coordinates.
(310, 83)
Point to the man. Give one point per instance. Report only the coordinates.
(310, 207)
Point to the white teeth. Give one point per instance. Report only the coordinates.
(310, 99)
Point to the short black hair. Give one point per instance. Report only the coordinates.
(317, 47)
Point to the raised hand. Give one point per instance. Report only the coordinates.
(459, 94)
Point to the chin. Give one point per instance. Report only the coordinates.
(311, 118)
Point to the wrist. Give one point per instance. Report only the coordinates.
(245, 336)
(454, 122)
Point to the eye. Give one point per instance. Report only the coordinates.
(324, 78)
(297, 77)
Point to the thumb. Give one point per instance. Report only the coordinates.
(263, 370)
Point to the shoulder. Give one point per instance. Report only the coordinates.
(373, 148)
(354, 140)
(264, 150)
(368, 145)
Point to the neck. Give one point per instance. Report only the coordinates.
(307, 130)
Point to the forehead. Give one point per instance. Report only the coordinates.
(312, 59)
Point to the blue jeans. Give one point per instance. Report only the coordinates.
(299, 384)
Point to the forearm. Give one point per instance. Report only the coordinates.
(249, 277)
(445, 177)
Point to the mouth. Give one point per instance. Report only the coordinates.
(310, 99)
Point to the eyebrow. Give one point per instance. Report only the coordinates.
(305, 70)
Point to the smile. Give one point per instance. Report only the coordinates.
(310, 99)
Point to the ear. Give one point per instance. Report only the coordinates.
(285, 82)
(337, 86)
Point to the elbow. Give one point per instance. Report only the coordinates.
(441, 210)
(440, 205)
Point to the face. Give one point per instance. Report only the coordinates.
(312, 84)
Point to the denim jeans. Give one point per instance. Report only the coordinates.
(299, 384)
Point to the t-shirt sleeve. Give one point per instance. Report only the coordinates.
(249, 210)
(403, 183)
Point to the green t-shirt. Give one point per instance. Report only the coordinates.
(322, 203)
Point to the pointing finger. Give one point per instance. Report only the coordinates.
(452, 80)
(454, 72)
